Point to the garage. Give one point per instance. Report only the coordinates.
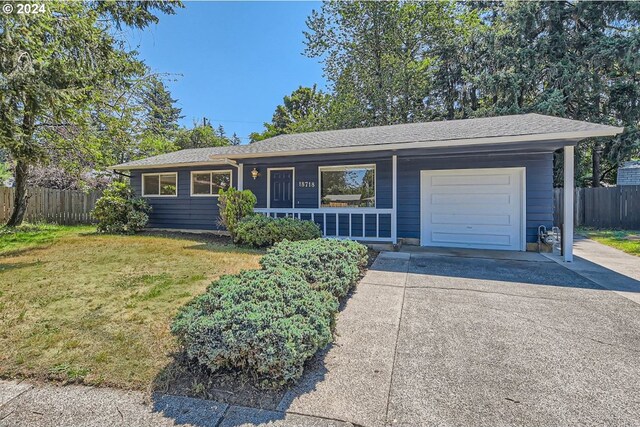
(473, 208)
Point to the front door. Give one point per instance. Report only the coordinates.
(281, 188)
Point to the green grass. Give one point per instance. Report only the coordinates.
(625, 240)
(84, 307)
(32, 235)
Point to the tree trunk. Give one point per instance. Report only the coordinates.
(21, 197)
(596, 172)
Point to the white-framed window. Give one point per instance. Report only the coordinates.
(209, 183)
(164, 184)
(352, 186)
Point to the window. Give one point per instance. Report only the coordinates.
(209, 183)
(348, 186)
(160, 184)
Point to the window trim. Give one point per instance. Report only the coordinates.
(346, 167)
(159, 180)
(219, 172)
(293, 185)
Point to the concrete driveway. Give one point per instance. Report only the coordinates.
(461, 338)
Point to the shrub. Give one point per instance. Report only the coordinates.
(119, 211)
(264, 323)
(327, 264)
(261, 231)
(235, 205)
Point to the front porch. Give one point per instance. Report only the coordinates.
(365, 224)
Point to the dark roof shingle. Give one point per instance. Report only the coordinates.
(450, 130)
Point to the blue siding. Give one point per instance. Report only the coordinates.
(306, 169)
(188, 212)
(184, 211)
(539, 179)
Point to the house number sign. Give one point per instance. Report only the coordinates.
(306, 184)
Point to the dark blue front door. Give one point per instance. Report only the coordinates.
(281, 191)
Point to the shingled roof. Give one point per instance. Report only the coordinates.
(503, 129)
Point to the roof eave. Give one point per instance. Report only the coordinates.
(213, 162)
(570, 137)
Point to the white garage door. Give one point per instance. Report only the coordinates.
(473, 208)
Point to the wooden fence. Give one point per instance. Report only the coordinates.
(49, 205)
(604, 207)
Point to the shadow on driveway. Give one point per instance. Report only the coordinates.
(535, 269)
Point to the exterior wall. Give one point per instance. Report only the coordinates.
(183, 211)
(306, 170)
(186, 212)
(539, 186)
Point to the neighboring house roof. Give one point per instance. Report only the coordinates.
(629, 173)
(633, 164)
(503, 129)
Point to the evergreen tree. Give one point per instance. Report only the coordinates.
(53, 68)
(398, 62)
(161, 113)
(201, 136)
(305, 110)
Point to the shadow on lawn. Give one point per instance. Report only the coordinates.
(186, 378)
(183, 377)
(8, 266)
(206, 241)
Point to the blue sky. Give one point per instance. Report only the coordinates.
(232, 61)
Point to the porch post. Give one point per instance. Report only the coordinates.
(394, 192)
(567, 237)
(240, 176)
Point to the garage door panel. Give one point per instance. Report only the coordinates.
(470, 199)
(473, 180)
(467, 189)
(479, 208)
(479, 240)
(467, 219)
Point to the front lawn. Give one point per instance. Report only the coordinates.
(78, 306)
(625, 240)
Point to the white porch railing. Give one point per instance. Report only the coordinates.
(367, 224)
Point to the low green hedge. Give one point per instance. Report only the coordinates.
(265, 324)
(327, 264)
(260, 231)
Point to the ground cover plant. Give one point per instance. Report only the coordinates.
(327, 264)
(265, 324)
(262, 231)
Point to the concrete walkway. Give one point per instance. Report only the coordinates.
(438, 337)
(23, 404)
(609, 267)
